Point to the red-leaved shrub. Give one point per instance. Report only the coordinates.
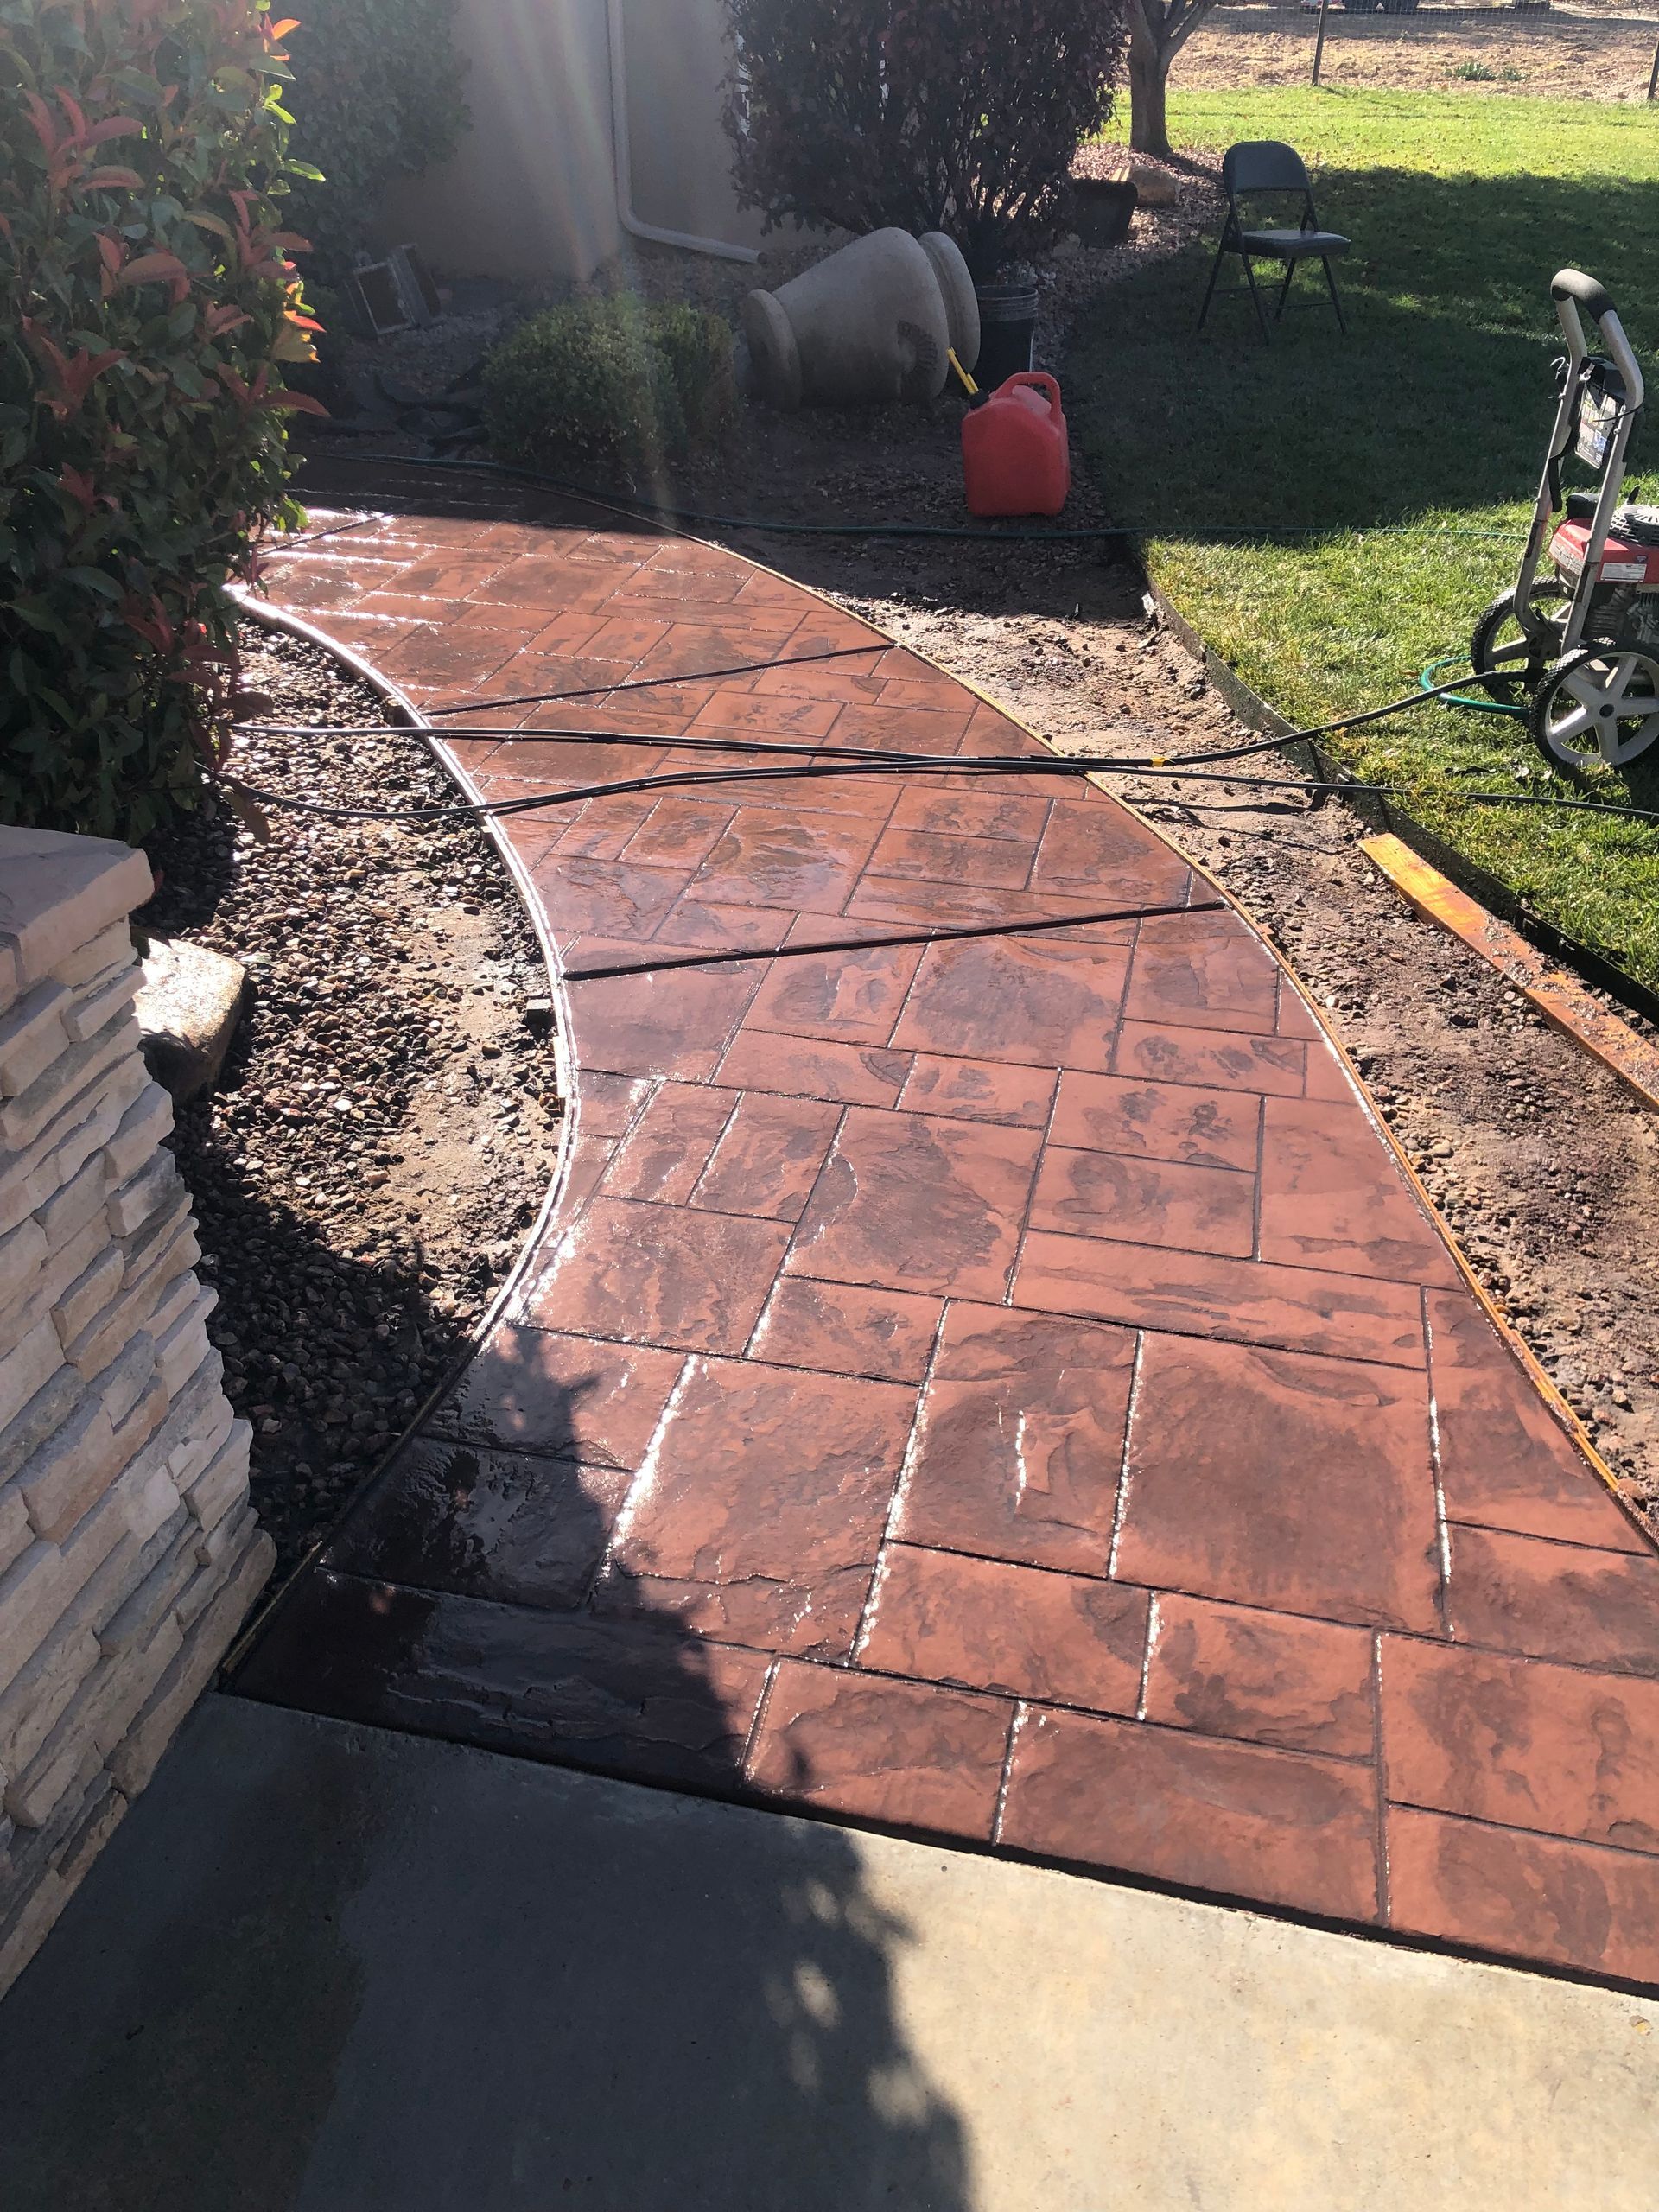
(956, 115)
(148, 310)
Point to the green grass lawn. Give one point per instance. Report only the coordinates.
(1434, 410)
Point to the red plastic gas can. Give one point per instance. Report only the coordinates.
(1015, 453)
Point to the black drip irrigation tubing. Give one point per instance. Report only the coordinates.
(1331, 778)
(1194, 767)
(732, 956)
(658, 682)
(695, 518)
(518, 735)
(910, 764)
(559, 698)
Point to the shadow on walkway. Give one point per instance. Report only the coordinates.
(324, 1966)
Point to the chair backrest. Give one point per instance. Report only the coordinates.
(1263, 165)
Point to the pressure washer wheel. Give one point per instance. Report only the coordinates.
(1508, 676)
(1598, 706)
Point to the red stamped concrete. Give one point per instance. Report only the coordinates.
(1004, 1389)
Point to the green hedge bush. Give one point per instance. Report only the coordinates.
(603, 389)
(148, 308)
(378, 95)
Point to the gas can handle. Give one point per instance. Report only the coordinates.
(1039, 380)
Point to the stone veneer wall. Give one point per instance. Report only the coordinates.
(128, 1551)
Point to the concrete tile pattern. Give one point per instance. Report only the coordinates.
(1009, 1379)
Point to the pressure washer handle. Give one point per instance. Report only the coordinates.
(1572, 289)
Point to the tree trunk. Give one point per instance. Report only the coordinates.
(1148, 90)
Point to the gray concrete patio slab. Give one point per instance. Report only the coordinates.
(324, 1969)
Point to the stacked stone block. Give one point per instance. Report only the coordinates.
(128, 1551)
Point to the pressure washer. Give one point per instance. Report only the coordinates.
(1575, 647)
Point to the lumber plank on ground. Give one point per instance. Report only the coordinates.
(1563, 1001)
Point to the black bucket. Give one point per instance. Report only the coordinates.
(1008, 319)
(1105, 207)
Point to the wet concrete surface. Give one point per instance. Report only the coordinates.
(327, 1969)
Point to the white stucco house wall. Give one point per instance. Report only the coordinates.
(590, 118)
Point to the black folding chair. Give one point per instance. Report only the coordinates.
(1266, 165)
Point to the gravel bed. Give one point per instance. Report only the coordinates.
(387, 1123)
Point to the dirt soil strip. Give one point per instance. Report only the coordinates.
(1561, 998)
(388, 1122)
(1553, 53)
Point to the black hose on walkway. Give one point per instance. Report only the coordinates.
(973, 765)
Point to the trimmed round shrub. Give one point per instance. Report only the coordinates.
(611, 388)
(147, 311)
(961, 116)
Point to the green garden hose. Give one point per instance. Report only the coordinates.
(1447, 698)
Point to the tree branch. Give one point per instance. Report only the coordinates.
(1170, 23)
(1193, 13)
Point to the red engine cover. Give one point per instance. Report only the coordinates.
(1621, 562)
(1016, 455)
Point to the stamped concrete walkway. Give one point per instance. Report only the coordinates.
(1003, 1390)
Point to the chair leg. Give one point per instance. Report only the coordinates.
(1210, 293)
(1255, 293)
(1284, 291)
(1336, 301)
